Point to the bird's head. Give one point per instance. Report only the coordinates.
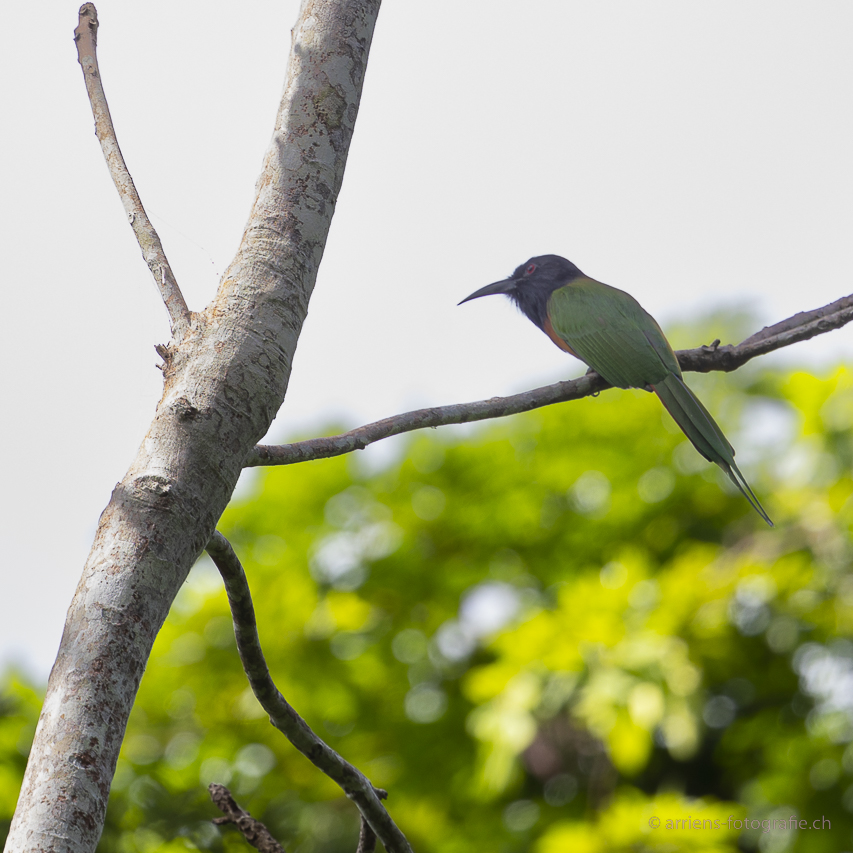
(532, 284)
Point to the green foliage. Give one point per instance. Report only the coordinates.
(19, 710)
(538, 637)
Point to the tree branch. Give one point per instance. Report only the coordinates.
(366, 838)
(224, 381)
(800, 327)
(458, 413)
(86, 39)
(253, 830)
(282, 715)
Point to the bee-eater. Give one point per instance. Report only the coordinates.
(610, 331)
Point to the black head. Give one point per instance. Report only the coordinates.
(532, 284)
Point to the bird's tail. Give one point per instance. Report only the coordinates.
(698, 425)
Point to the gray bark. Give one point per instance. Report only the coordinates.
(225, 379)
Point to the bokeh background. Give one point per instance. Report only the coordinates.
(695, 155)
(537, 638)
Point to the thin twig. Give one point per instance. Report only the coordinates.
(86, 39)
(354, 783)
(253, 830)
(705, 359)
(366, 838)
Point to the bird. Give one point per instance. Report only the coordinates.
(616, 337)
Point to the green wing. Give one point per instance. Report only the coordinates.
(609, 330)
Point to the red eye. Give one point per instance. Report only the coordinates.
(530, 270)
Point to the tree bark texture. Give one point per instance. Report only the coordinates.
(225, 379)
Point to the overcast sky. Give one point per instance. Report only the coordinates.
(694, 154)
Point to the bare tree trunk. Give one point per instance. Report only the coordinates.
(225, 379)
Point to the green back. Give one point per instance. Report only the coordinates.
(612, 333)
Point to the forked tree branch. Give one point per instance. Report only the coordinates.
(282, 715)
(86, 39)
(706, 359)
(223, 385)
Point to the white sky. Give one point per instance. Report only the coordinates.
(694, 154)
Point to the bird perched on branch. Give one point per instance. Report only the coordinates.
(609, 330)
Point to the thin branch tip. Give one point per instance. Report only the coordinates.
(86, 39)
(86, 16)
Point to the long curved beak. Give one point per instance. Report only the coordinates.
(504, 286)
